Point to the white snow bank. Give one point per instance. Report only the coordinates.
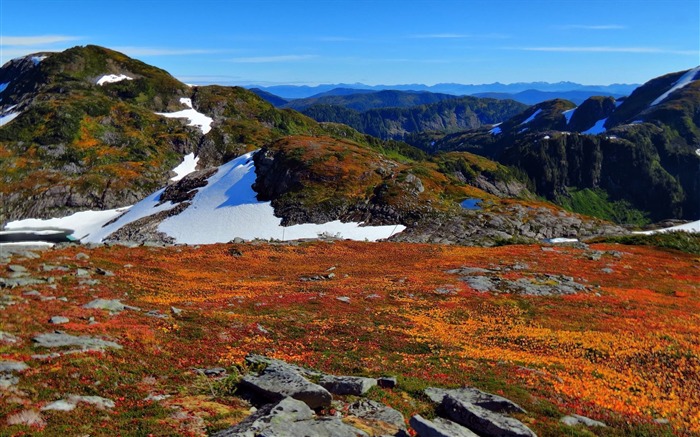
(688, 227)
(684, 80)
(561, 240)
(6, 118)
(196, 118)
(144, 208)
(598, 127)
(83, 224)
(188, 165)
(37, 59)
(568, 114)
(228, 208)
(532, 117)
(113, 78)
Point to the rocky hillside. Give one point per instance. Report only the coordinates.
(632, 158)
(445, 116)
(91, 129)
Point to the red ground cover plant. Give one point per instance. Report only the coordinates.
(626, 351)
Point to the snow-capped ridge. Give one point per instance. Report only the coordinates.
(532, 117)
(684, 80)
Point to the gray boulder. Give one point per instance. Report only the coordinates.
(369, 409)
(475, 396)
(575, 419)
(12, 366)
(61, 339)
(113, 305)
(58, 320)
(482, 421)
(282, 413)
(438, 427)
(277, 382)
(347, 385)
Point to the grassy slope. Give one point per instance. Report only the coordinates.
(625, 355)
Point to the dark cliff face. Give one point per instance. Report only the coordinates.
(646, 156)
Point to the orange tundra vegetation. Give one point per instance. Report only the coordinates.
(626, 351)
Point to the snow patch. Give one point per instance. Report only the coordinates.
(8, 118)
(568, 114)
(687, 227)
(113, 78)
(532, 117)
(697, 152)
(561, 240)
(83, 224)
(495, 130)
(3, 86)
(196, 118)
(37, 59)
(188, 165)
(228, 208)
(597, 128)
(546, 137)
(684, 80)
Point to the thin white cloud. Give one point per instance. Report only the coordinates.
(36, 40)
(591, 27)
(607, 49)
(161, 51)
(271, 59)
(459, 36)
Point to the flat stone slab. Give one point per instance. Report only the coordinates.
(60, 339)
(58, 320)
(113, 305)
(12, 366)
(475, 396)
(72, 401)
(438, 427)
(347, 385)
(276, 382)
(482, 421)
(575, 419)
(286, 411)
(371, 410)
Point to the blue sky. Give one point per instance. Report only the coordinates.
(374, 42)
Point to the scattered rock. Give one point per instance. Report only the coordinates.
(104, 272)
(7, 380)
(12, 366)
(175, 311)
(214, 372)
(113, 305)
(482, 421)
(82, 256)
(60, 339)
(157, 314)
(438, 427)
(475, 396)
(30, 418)
(73, 401)
(82, 273)
(343, 299)
(277, 382)
(607, 270)
(372, 411)
(575, 419)
(386, 382)
(16, 268)
(58, 320)
(347, 385)
(281, 414)
(6, 337)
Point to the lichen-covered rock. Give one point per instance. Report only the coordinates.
(482, 421)
(475, 396)
(276, 382)
(347, 385)
(438, 427)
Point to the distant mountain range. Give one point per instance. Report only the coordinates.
(289, 92)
